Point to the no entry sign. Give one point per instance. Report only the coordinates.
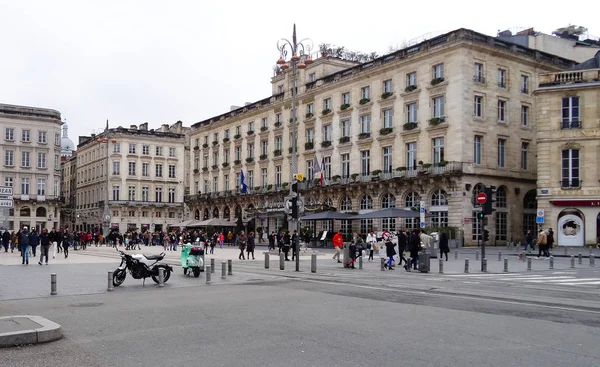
(481, 198)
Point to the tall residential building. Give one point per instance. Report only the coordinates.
(567, 118)
(140, 171)
(30, 147)
(68, 188)
(423, 127)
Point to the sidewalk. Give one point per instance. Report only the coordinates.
(26, 329)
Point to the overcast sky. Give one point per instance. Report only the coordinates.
(163, 61)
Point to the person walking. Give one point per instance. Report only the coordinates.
(294, 243)
(550, 239)
(45, 246)
(250, 245)
(542, 243)
(241, 242)
(444, 248)
(280, 241)
(371, 242)
(67, 239)
(338, 243)
(34, 241)
(287, 243)
(529, 240)
(402, 244)
(272, 238)
(390, 252)
(414, 245)
(24, 239)
(5, 240)
(221, 240)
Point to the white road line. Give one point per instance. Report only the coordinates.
(571, 280)
(482, 275)
(537, 278)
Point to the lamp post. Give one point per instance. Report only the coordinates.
(300, 57)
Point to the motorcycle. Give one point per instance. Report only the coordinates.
(141, 267)
(192, 258)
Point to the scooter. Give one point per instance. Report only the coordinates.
(192, 258)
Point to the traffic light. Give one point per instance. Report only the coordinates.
(480, 215)
(294, 208)
(486, 235)
(488, 206)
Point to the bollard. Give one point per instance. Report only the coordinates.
(408, 264)
(499, 255)
(223, 269)
(360, 262)
(466, 265)
(592, 261)
(523, 256)
(591, 251)
(281, 261)
(529, 264)
(161, 277)
(212, 265)
(209, 270)
(110, 281)
(551, 262)
(53, 284)
(572, 261)
(441, 265)
(580, 260)
(313, 263)
(456, 255)
(267, 260)
(477, 255)
(484, 265)
(505, 265)
(382, 264)
(566, 249)
(229, 267)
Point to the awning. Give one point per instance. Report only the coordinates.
(216, 222)
(389, 213)
(328, 215)
(187, 223)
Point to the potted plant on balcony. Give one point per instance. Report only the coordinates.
(309, 145)
(237, 136)
(196, 170)
(197, 147)
(291, 120)
(237, 162)
(250, 132)
(326, 111)
(277, 123)
(436, 121)
(309, 115)
(317, 181)
(344, 139)
(214, 166)
(364, 101)
(376, 173)
(225, 140)
(225, 164)
(249, 160)
(400, 169)
(436, 81)
(442, 163)
(325, 144)
(409, 126)
(344, 106)
(354, 176)
(336, 178)
(277, 152)
(284, 185)
(291, 150)
(227, 192)
(269, 187)
(263, 157)
(386, 130)
(204, 169)
(410, 88)
(205, 145)
(386, 95)
(263, 129)
(362, 136)
(425, 168)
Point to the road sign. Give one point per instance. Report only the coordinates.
(539, 219)
(422, 214)
(481, 198)
(6, 203)
(422, 224)
(6, 191)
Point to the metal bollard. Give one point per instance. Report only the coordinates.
(382, 264)
(267, 260)
(161, 277)
(313, 263)
(110, 281)
(523, 256)
(592, 261)
(456, 255)
(281, 261)
(209, 270)
(223, 269)
(572, 261)
(477, 255)
(360, 262)
(529, 264)
(551, 262)
(441, 265)
(499, 255)
(53, 284)
(466, 265)
(484, 265)
(591, 253)
(408, 264)
(229, 267)
(212, 265)
(580, 260)
(505, 265)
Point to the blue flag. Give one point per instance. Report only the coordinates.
(242, 183)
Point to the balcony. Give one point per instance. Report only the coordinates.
(569, 77)
(143, 203)
(478, 79)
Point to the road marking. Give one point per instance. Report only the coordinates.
(570, 280)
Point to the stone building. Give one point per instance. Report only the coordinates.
(425, 126)
(68, 188)
(30, 147)
(567, 117)
(142, 175)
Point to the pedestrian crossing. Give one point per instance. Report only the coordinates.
(558, 278)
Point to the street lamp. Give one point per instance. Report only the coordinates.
(300, 57)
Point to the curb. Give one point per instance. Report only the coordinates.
(47, 332)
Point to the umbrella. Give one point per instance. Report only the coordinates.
(389, 213)
(327, 216)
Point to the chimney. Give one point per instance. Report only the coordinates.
(144, 126)
(132, 127)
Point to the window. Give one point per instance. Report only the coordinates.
(411, 79)
(478, 106)
(524, 115)
(238, 130)
(264, 177)
(501, 198)
(387, 86)
(57, 163)
(312, 77)
(411, 112)
(10, 134)
(310, 108)
(251, 126)
(365, 124)
(524, 155)
(238, 154)
(215, 158)
(479, 74)
(131, 148)
(501, 153)
(345, 127)
(477, 149)
(9, 158)
(310, 135)
(25, 186)
(131, 168)
(387, 159)
(226, 155)
(264, 147)
(501, 78)
(327, 132)
(42, 137)
(41, 186)
(131, 193)
(278, 142)
(388, 201)
(346, 98)
(146, 169)
(226, 133)
(145, 193)
(206, 186)
(387, 118)
(365, 92)
(365, 162)
(345, 159)
(524, 84)
(25, 159)
(326, 168)
(280, 89)
(346, 204)
(501, 111)
(197, 142)
(171, 171)
(159, 170)
(251, 179)
(116, 192)
(439, 209)
(501, 226)
(171, 195)
(26, 136)
(438, 71)
(327, 104)
(570, 113)
(250, 150)
(8, 181)
(41, 160)
(205, 161)
(570, 168)
(206, 139)
(366, 203)
(264, 123)
(159, 151)
(215, 138)
(116, 170)
(226, 182)
(438, 150)
(438, 107)
(411, 155)
(278, 176)
(158, 194)
(145, 149)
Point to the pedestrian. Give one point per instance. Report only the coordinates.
(14, 238)
(272, 239)
(221, 240)
(414, 246)
(241, 242)
(352, 249)
(45, 246)
(287, 243)
(280, 241)
(402, 244)
(24, 244)
(338, 242)
(444, 248)
(229, 238)
(371, 242)
(250, 245)
(550, 239)
(5, 240)
(542, 243)
(34, 241)
(294, 244)
(67, 239)
(390, 252)
(529, 240)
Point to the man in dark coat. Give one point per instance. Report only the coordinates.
(250, 245)
(402, 243)
(24, 245)
(444, 248)
(287, 243)
(241, 242)
(414, 246)
(294, 244)
(5, 240)
(550, 239)
(45, 245)
(34, 241)
(272, 241)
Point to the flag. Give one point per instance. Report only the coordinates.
(242, 183)
(322, 169)
(317, 169)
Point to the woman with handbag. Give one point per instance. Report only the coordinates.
(371, 242)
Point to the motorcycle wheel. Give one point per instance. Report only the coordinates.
(166, 276)
(119, 277)
(196, 272)
(185, 271)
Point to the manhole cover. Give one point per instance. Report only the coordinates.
(89, 304)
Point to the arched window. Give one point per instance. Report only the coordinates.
(216, 212)
(226, 214)
(25, 212)
(366, 203)
(439, 209)
(501, 214)
(40, 212)
(388, 201)
(366, 225)
(328, 202)
(411, 202)
(346, 204)
(438, 198)
(197, 214)
(205, 214)
(501, 200)
(529, 211)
